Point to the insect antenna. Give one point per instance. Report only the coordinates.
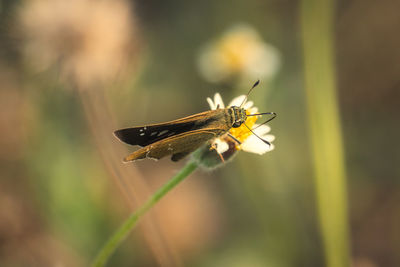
(265, 113)
(265, 141)
(270, 119)
(254, 85)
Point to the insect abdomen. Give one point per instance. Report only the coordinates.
(138, 154)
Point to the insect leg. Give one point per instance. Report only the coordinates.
(235, 139)
(214, 147)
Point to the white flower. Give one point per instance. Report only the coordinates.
(249, 142)
(239, 52)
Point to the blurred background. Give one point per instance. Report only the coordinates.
(73, 71)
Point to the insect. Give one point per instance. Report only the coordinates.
(181, 137)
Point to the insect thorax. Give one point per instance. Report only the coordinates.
(238, 115)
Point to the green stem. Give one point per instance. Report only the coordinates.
(119, 236)
(317, 18)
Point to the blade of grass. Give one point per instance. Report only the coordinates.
(317, 18)
(112, 244)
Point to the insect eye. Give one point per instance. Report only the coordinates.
(236, 124)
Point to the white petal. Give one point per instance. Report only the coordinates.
(255, 145)
(261, 130)
(220, 146)
(248, 105)
(218, 101)
(211, 103)
(269, 137)
(272, 147)
(237, 101)
(253, 110)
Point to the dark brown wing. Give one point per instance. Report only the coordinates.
(146, 135)
(178, 146)
(179, 156)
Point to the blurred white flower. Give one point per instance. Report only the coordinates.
(239, 52)
(249, 142)
(88, 40)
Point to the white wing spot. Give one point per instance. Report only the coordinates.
(162, 132)
(144, 128)
(142, 134)
(153, 133)
(141, 130)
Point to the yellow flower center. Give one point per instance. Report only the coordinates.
(242, 133)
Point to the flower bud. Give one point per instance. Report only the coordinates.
(211, 156)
